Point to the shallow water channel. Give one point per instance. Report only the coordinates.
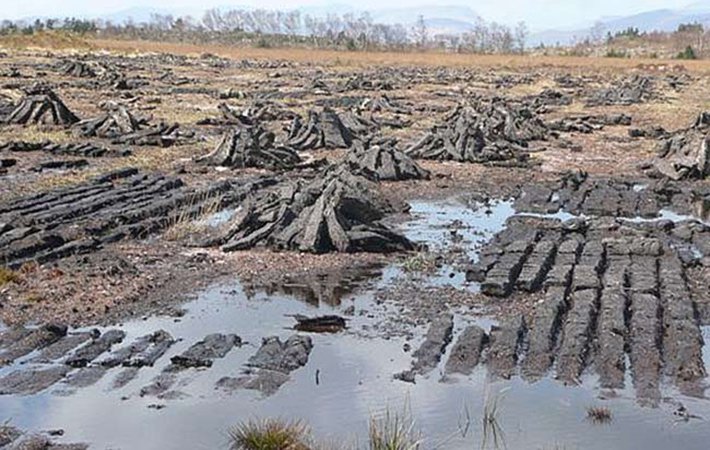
(349, 377)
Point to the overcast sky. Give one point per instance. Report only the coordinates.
(538, 13)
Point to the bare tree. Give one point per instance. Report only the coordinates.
(421, 34)
(521, 36)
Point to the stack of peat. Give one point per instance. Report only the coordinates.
(336, 211)
(487, 132)
(323, 130)
(685, 154)
(251, 147)
(629, 91)
(382, 161)
(122, 127)
(41, 106)
(76, 69)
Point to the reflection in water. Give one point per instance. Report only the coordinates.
(327, 288)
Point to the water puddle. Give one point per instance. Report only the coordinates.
(354, 382)
(457, 230)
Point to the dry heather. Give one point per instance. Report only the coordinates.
(354, 59)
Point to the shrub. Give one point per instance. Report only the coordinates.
(688, 53)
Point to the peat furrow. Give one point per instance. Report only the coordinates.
(85, 208)
(602, 201)
(612, 328)
(466, 352)
(104, 180)
(500, 279)
(32, 381)
(40, 207)
(200, 355)
(577, 335)
(159, 209)
(85, 192)
(536, 198)
(573, 200)
(644, 349)
(16, 234)
(97, 347)
(682, 338)
(107, 190)
(21, 204)
(62, 347)
(647, 204)
(76, 247)
(24, 249)
(505, 342)
(536, 267)
(150, 346)
(543, 332)
(37, 339)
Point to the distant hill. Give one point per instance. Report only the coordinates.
(658, 20)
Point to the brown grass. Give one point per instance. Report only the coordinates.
(46, 39)
(8, 276)
(344, 58)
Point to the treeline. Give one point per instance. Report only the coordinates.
(265, 28)
(687, 41)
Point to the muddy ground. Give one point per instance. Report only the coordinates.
(553, 227)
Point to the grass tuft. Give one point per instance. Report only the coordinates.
(269, 434)
(191, 218)
(599, 414)
(8, 276)
(420, 263)
(493, 435)
(394, 432)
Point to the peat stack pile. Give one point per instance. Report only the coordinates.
(337, 211)
(549, 97)
(41, 106)
(382, 161)
(160, 135)
(361, 83)
(324, 130)
(76, 69)
(686, 153)
(251, 147)
(7, 106)
(486, 132)
(359, 125)
(229, 116)
(384, 104)
(267, 111)
(588, 123)
(116, 121)
(122, 127)
(629, 91)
